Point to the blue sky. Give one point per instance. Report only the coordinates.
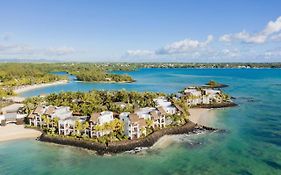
(137, 31)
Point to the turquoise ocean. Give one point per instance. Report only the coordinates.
(250, 145)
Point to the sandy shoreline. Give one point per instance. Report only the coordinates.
(14, 132)
(197, 115)
(201, 116)
(25, 88)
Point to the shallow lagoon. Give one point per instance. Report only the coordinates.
(251, 145)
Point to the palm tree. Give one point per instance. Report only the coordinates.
(85, 126)
(78, 127)
(149, 123)
(55, 122)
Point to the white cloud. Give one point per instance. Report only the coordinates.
(276, 37)
(230, 53)
(273, 53)
(9, 49)
(138, 53)
(273, 26)
(256, 38)
(60, 51)
(184, 46)
(15, 49)
(26, 50)
(225, 38)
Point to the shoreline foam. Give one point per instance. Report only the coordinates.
(200, 116)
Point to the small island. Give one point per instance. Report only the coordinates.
(214, 84)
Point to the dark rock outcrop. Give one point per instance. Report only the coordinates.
(126, 145)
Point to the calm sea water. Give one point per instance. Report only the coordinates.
(251, 145)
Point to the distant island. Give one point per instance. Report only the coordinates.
(18, 75)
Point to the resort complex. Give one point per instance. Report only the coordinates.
(97, 124)
(202, 95)
(126, 119)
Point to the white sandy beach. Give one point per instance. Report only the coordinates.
(14, 132)
(200, 116)
(22, 89)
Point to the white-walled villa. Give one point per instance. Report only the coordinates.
(10, 114)
(196, 96)
(135, 124)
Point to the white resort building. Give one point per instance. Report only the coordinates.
(98, 120)
(166, 105)
(35, 118)
(134, 126)
(197, 96)
(67, 126)
(10, 114)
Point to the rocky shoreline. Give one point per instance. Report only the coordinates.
(126, 145)
(220, 105)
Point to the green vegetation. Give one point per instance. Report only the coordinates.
(4, 92)
(207, 65)
(181, 117)
(101, 76)
(85, 103)
(214, 84)
(13, 74)
(18, 74)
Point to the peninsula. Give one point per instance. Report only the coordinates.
(116, 121)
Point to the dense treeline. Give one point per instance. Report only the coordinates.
(86, 103)
(24, 74)
(207, 65)
(18, 74)
(102, 76)
(4, 92)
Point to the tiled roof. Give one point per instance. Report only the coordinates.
(161, 110)
(94, 117)
(39, 110)
(50, 110)
(142, 122)
(155, 115)
(179, 108)
(31, 116)
(133, 118)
